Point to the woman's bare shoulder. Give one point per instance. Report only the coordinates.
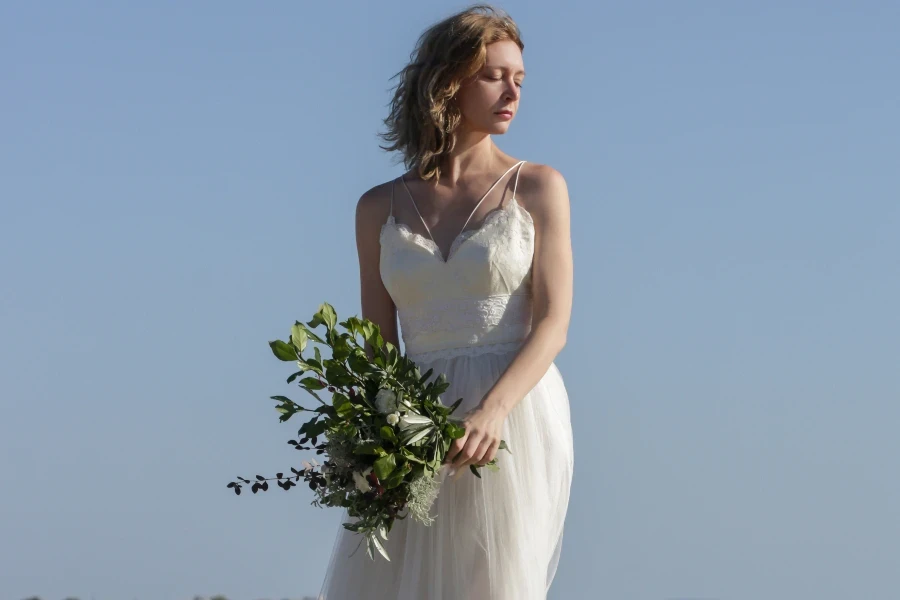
(542, 188)
(374, 205)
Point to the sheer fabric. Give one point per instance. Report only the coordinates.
(467, 315)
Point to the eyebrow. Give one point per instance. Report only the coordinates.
(520, 71)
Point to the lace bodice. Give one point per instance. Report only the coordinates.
(476, 300)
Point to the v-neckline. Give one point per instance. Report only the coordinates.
(463, 231)
(461, 238)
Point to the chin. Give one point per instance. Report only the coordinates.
(499, 128)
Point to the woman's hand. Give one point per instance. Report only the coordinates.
(481, 441)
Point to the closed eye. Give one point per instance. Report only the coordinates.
(518, 83)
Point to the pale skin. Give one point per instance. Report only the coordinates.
(466, 174)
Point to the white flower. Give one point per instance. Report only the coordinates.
(386, 401)
(393, 418)
(362, 484)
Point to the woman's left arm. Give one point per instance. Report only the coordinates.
(552, 286)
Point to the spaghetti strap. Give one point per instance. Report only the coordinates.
(403, 181)
(471, 214)
(393, 184)
(516, 185)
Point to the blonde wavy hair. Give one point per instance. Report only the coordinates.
(424, 115)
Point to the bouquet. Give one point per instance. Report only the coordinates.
(386, 431)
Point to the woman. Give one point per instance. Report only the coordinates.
(482, 284)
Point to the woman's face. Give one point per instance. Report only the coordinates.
(496, 87)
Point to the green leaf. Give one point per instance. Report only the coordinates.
(298, 337)
(359, 362)
(373, 543)
(343, 406)
(440, 385)
(346, 411)
(455, 405)
(395, 479)
(334, 369)
(311, 383)
(504, 446)
(412, 420)
(410, 456)
(312, 335)
(325, 315)
(369, 448)
(341, 349)
(314, 428)
(475, 471)
(351, 324)
(375, 340)
(286, 414)
(385, 465)
(454, 431)
(329, 315)
(287, 400)
(410, 437)
(387, 432)
(283, 351)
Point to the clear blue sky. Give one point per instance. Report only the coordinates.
(177, 186)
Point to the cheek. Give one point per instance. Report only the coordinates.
(476, 99)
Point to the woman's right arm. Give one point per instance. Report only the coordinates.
(372, 211)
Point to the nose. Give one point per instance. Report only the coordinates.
(513, 90)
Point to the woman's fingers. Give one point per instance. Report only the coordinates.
(455, 448)
(467, 452)
(481, 455)
(491, 454)
(477, 447)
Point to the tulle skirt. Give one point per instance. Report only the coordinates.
(494, 538)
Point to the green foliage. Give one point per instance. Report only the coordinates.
(385, 425)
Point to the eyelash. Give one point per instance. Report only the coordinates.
(501, 79)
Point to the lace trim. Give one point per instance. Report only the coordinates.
(498, 348)
(426, 242)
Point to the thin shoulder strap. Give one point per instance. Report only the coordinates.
(403, 181)
(413, 200)
(471, 214)
(516, 185)
(393, 184)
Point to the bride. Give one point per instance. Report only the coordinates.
(480, 277)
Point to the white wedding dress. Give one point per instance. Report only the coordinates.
(498, 537)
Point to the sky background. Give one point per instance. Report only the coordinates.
(177, 186)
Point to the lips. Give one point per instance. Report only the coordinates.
(504, 112)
